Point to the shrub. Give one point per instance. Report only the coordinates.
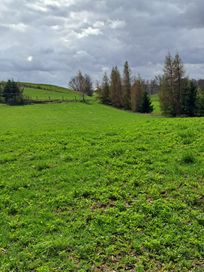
(12, 94)
(146, 105)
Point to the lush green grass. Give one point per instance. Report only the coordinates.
(92, 188)
(48, 92)
(156, 104)
(41, 94)
(44, 87)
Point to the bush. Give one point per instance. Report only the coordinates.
(12, 94)
(146, 105)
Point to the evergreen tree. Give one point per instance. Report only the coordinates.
(164, 97)
(126, 87)
(178, 83)
(167, 87)
(171, 86)
(12, 93)
(116, 88)
(200, 102)
(1, 93)
(105, 90)
(146, 105)
(137, 91)
(189, 98)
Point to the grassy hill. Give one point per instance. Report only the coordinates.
(86, 187)
(156, 104)
(48, 92)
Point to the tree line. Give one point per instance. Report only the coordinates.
(179, 95)
(124, 91)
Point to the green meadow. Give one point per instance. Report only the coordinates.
(87, 187)
(48, 92)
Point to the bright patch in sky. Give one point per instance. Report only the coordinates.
(30, 58)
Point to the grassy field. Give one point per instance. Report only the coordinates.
(156, 104)
(44, 87)
(48, 92)
(36, 94)
(92, 188)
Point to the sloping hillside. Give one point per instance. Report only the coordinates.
(86, 187)
(48, 92)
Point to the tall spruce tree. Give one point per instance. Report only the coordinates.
(171, 86)
(189, 98)
(126, 86)
(167, 87)
(1, 92)
(137, 91)
(178, 83)
(116, 88)
(200, 102)
(105, 90)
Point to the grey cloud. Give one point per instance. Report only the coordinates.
(64, 36)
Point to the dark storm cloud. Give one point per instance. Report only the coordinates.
(49, 40)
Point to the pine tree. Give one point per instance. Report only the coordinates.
(12, 93)
(146, 105)
(126, 87)
(116, 88)
(105, 90)
(178, 84)
(167, 87)
(164, 96)
(171, 86)
(200, 102)
(189, 98)
(137, 91)
(1, 92)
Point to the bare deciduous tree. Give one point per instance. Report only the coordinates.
(82, 83)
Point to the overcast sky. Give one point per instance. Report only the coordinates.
(49, 40)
